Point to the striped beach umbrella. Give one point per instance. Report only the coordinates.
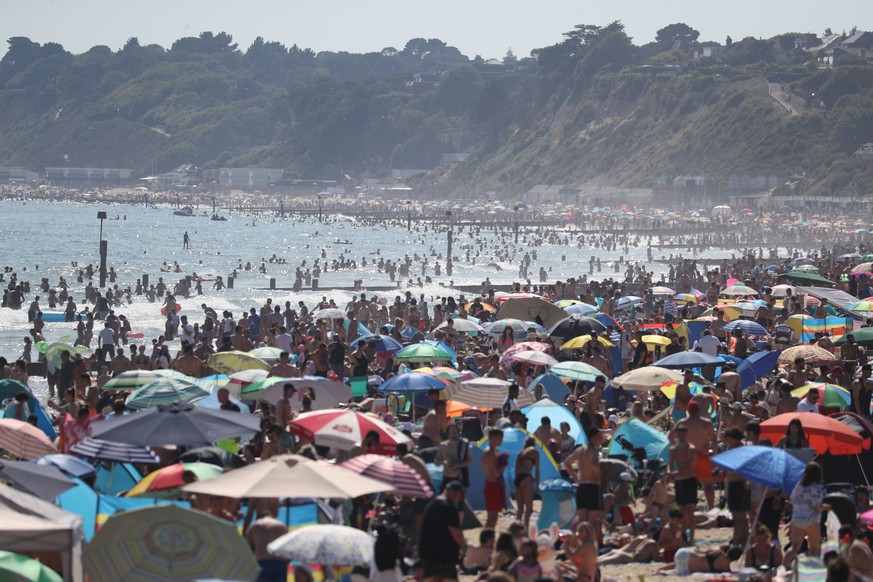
(235, 361)
(576, 371)
(405, 480)
(166, 391)
(167, 542)
(483, 394)
(24, 440)
(171, 477)
(133, 379)
(112, 452)
(344, 429)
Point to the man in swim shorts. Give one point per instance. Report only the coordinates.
(589, 498)
(682, 458)
(701, 434)
(495, 490)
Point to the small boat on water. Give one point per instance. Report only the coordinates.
(184, 211)
(220, 218)
(343, 242)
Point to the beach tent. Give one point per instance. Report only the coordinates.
(9, 388)
(559, 504)
(854, 469)
(29, 524)
(836, 297)
(513, 442)
(553, 386)
(634, 434)
(556, 414)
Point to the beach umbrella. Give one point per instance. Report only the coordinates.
(18, 568)
(112, 452)
(656, 340)
(24, 440)
(68, 464)
(170, 477)
(214, 382)
(325, 544)
(289, 476)
(685, 298)
(627, 301)
(329, 313)
(757, 366)
(807, 352)
(774, 468)
(689, 359)
(529, 309)
(662, 290)
(746, 326)
(462, 325)
(782, 290)
(747, 308)
(579, 371)
(175, 424)
(405, 480)
(422, 353)
(580, 309)
(9, 388)
(646, 378)
(580, 342)
(235, 361)
(552, 385)
(738, 290)
(833, 396)
(804, 277)
(381, 343)
(506, 357)
(344, 429)
(412, 382)
(519, 328)
(863, 267)
(574, 326)
(481, 395)
(133, 379)
(44, 481)
(607, 320)
(862, 337)
(825, 434)
(166, 542)
(266, 353)
(243, 378)
(213, 456)
(165, 391)
(730, 312)
(504, 297)
(323, 392)
(534, 358)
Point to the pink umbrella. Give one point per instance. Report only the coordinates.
(506, 358)
(344, 429)
(405, 479)
(24, 440)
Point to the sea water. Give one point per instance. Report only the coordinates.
(47, 238)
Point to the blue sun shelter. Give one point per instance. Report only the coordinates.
(634, 434)
(553, 386)
(556, 414)
(513, 443)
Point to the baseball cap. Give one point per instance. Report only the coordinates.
(455, 486)
(625, 476)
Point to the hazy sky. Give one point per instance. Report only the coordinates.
(484, 27)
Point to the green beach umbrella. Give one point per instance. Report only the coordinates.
(15, 567)
(422, 353)
(833, 396)
(166, 391)
(863, 337)
(804, 277)
(133, 379)
(576, 371)
(254, 390)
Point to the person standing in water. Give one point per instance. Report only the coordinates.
(186, 241)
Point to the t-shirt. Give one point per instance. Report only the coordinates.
(107, 336)
(804, 500)
(807, 406)
(436, 543)
(709, 345)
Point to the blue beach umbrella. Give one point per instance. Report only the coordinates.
(69, 464)
(757, 366)
(773, 468)
(412, 382)
(749, 327)
(381, 343)
(689, 360)
(581, 309)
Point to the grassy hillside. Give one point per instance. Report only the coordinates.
(592, 108)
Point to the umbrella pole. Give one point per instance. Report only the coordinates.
(755, 522)
(863, 472)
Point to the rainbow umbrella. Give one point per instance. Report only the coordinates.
(833, 396)
(170, 478)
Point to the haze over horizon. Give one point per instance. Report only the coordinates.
(478, 27)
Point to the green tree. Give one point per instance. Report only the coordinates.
(678, 32)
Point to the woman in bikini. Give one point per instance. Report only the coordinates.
(527, 475)
(688, 560)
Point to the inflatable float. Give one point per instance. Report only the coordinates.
(164, 309)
